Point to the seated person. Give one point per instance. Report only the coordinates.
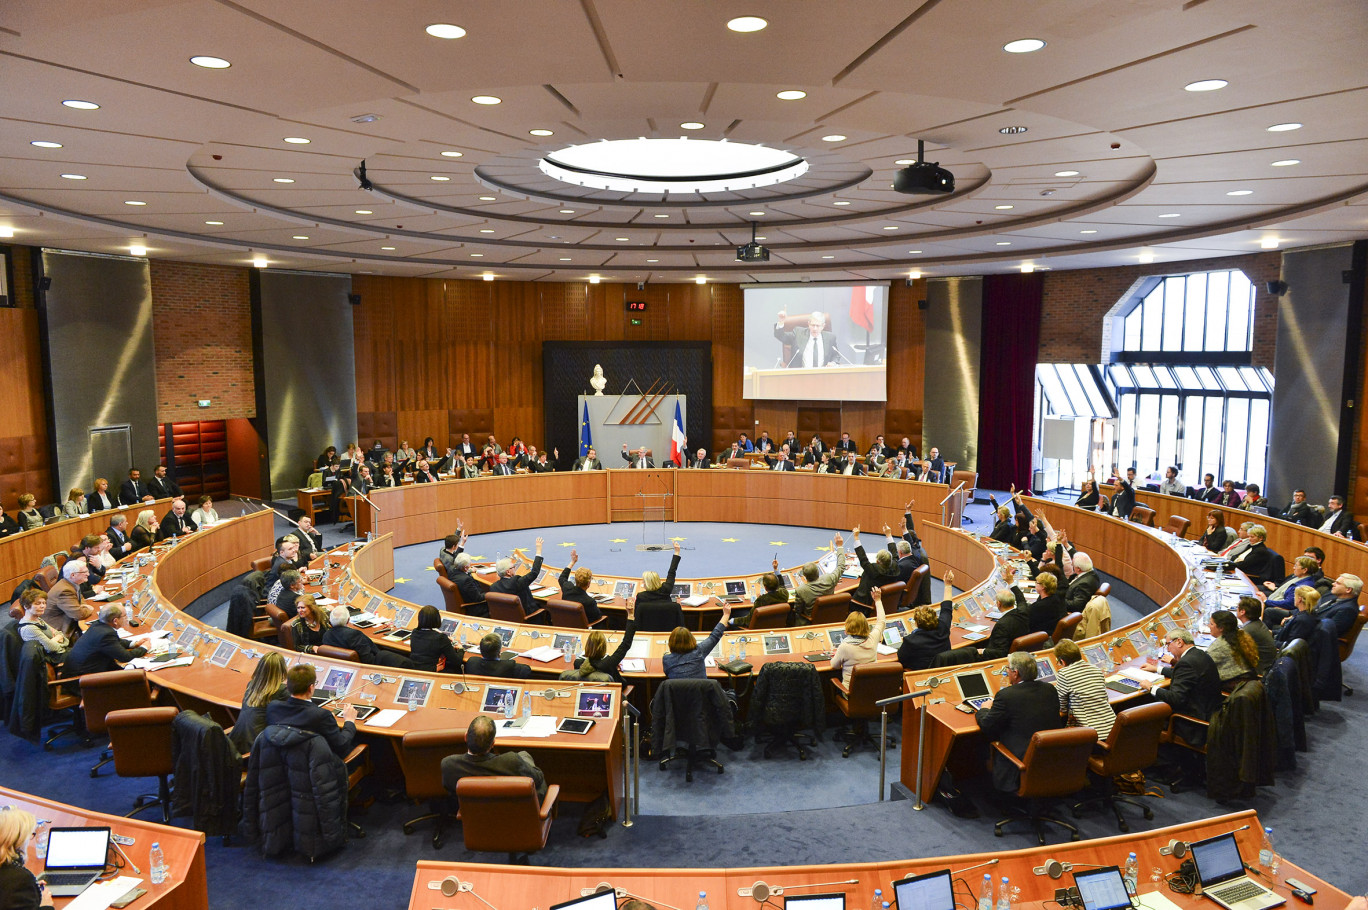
(489, 663)
(75, 505)
(1232, 649)
(1217, 535)
(1301, 624)
(861, 642)
(176, 523)
(520, 586)
(28, 515)
(310, 540)
(266, 685)
(931, 635)
(656, 609)
(700, 459)
(100, 649)
(341, 634)
(775, 593)
(596, 657)
(19, 887)
(472, 595)
(882, 571)
(687, 658)
(637, 459)
(480, 761)
(429, 647)
(1250, 614)
(816, 585)
(299, 711)
(66, 605)
(310, 625)
(850, 467)
(144, 533)
(291, 587)
(1258, 561)
(577, 591)
(1014, 622)
(33, 628)
(204, 515)
(1278, 604)
(1082, 690)
(1194, 690)
(1048, 608)
(1341, 606)
(452, 546)
(782, 460)
(1024, 707)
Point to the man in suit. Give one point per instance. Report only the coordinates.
(452, 546)
(816, 585)
(341, 634)
(1207, 492)
(1342, 606)
(466, 449)
(120, 545)
(1014, 623)
(781, 461)
(479, 761)
(162, 486)
(1337, 520)
(1194, 690)
(734, 452)
(1019, 711)
(490, 663)
(791, 440)
(845, 444)
(299, 711)
(100, 649)
(850, 467)
(588, 462)
(764, 445)
(66, 606)
(518, 585)
(133, 491)
(1124, 501)
(176, 523)
(1299, 511)
(1249, 612)
(700, 459)
(637, 459)
(501, 467)
(291, 587)
(492, 444)
(911, 557)
(907, 449)
(809, 347)
(1083, 586)
(472, 595)
(931, 635)
(935, 471)
(362, 483)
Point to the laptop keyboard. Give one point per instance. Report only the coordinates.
(63, 879)
(1236, 893)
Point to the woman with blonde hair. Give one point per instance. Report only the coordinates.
(144, 533)
(19, 888)
(75, 505)
(656, 610)
(28, 515)
(308, 627)
(861, 642)
(98, 499)
(266, 685)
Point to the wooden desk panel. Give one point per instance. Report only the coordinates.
(22, 553)
(187, 889)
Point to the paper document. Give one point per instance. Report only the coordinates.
(633, 665)
(543, 653)
(384, 718)
(538, 725)
(101, 894)
(697, 600)
(885, 649)
(542, 591)
(641, 648)
(324, 601)
(1140, 675)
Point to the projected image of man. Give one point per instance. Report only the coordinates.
(810, 346)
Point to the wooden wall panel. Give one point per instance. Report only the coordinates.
(906, 361)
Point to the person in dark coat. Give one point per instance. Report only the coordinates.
(596, 657)
(1049, 607)
(479, 761)
(932, 635)
(489, 663)
(1014, 622)
(1194, 690)
(472, 595)
(100, 649)
(655, 607)
(520, 586)
(341, 634)
(1019, 711)
(881, 571)
(577, 591)
(430, 646)
(912, 558)
(298, 711)
(266, 685)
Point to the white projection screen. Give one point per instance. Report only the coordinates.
(816, 342)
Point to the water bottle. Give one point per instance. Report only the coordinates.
(1004, 899)
(884, 906)
(986, 894)
(157, 860)
(702, 901)
(1156, 648)
(508, 705)
(527, 708)
(877, 902)
(1268, 858)
(1132, 875)
(741, 648)
(412, 700)
(464, 646)
(40, 839)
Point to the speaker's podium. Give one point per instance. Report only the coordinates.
(829, 383)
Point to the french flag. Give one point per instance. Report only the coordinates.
(677, 453)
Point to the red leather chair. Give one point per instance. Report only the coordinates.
(1055, 764)
(509, 608)
(568, 614)
(1066, 626)
(102, 693)
(1032, 641)
(420, 760)
(1132, 745)
(831, 608)
(143, 739)
(770, 616)
(869, 683)
(503, 815)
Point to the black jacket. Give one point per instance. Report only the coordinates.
(609, 663)
(163, 487)
(1046, 612)
(208, 775)
(171, 526)
(521, 586)
(503, 667)
(689, 711)
(655, 611)
(788, 694)
(296, 794)
(472, 595)
(1018, 713)
(1195, 690)
(871, 579)
(1241, 743)
(98, 650)
(298, 712)
(921, 646)
(571, 592)
(426, 646)
(1015, 623)
(130, 494)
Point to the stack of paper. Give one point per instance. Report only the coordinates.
(543, 654)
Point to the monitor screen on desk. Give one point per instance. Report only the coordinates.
(973, 685)
(932, 891)
(602, 900)
(1102, 889)
(736, 588)
(815, 902)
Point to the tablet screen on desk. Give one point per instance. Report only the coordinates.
(449, 626)
(223, 654)
(973, 685)
(594, 704)
(682, 589)
(1096, 655)
(505, 635)
(815, 902)
(403, 618)
(837, 636)
(1044, 670)
(932, 891)
(577, 725)
(494, 699)
(603, 900)
(735, 588)
(339, 679)
(624, 589)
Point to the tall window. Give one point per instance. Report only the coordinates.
(1184, 391)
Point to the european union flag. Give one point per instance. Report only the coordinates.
(585, 440)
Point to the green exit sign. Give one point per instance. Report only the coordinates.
(634, 321)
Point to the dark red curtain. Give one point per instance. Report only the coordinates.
(1011, 340)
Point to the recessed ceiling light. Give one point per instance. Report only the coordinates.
(913, 252)
(620, 239)
(443, 30)
(1240, 193)
(477, 255)
(701, 279)
(282, 180)
(1023, 45)
(81, 105)
(486, 230)
(364, 212)
(594, 279)
(566, 259)
(692, 125)
(1011, 130)
(296, 140)
(890, 227)
(1004, 208)
(1146, 257)
(1287, 162)
(452, 154)
(73, 176)
(1004, 243)
(761, 237)
(1027, 268)
(756, 214)
(1089, 231)
(834, 137)
(214, 222)
(487, 99)
(45, 144)
(6, 232)
(567, 211)
(1269, 243)
(540, 133)
(906, 161)
(211, 63)
(914, 274)
(439, 179)
(259, 262)
(488, 276)
(1172, 215)
(134, 202)
(1066, 173)
(387, 248)
(828, 257)
(791, 95)
(841, 202)
(138, 249)
(1284, 127)
(746, 24)
(662, 216)
(652, 260)
(487, 199)
(1205, 85)
(300, 237)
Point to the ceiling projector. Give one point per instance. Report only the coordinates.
(924, 178)
(753, 251)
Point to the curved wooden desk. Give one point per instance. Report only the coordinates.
(537, 886)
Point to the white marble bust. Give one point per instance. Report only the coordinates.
(597, 381)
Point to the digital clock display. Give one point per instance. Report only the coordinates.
(636, 306)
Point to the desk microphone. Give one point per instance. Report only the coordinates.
(762, 892)
(451, 886)
(991, 862)
(1054, 868)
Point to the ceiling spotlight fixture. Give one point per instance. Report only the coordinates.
(477, 255)
(566, 259)
(387, 248)
(746, 24)
(756, 214)
(134, 202)
(214, 223)
(81, 105)
(701, 279)
(834, 137)
(924, 177)
(259, 262)
(1284, 127)
(211, 63)
(540, 133)
(828, 257)
(296, 140)
(452, 154)
(138, 249)
(753, 251)
(364, 212)
(890, 227)
(486, 230)
(1023, 46)
(905, 161)
(652, 260)
(1066, 173)
(567, 211)
(1027, 268)
(692, 125)
(662, 216)
(1240, 193)
(488, 276)
(1205, 85)
(365, 118)
(439, 179)
(594, 279)
(913, 252)
(487, 99)
(1269, 243)
(620, 239)
(1172, 215)
(914, 275)
(1004, 208)
(444, 30)
(1048, 192)
(300, 237)
(840, 202)
(282, 180)
(1088, 231)
(73, 176)
(791, 95)
(45, 144)
(1004, 243)
(1146, 257)
(1011, 130)
(487, 199)
(1287, 162)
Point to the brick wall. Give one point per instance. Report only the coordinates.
(202, 335)
(1073, 329)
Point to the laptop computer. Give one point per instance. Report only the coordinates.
(599, 900)
(75, 859)
(974, 688)
(932, 891)
(815, 902)
(1102, 889)
(1221, 871)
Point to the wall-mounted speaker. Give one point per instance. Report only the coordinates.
(921, 304)
(1277, 287)
(354, 299)
(45, 283)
